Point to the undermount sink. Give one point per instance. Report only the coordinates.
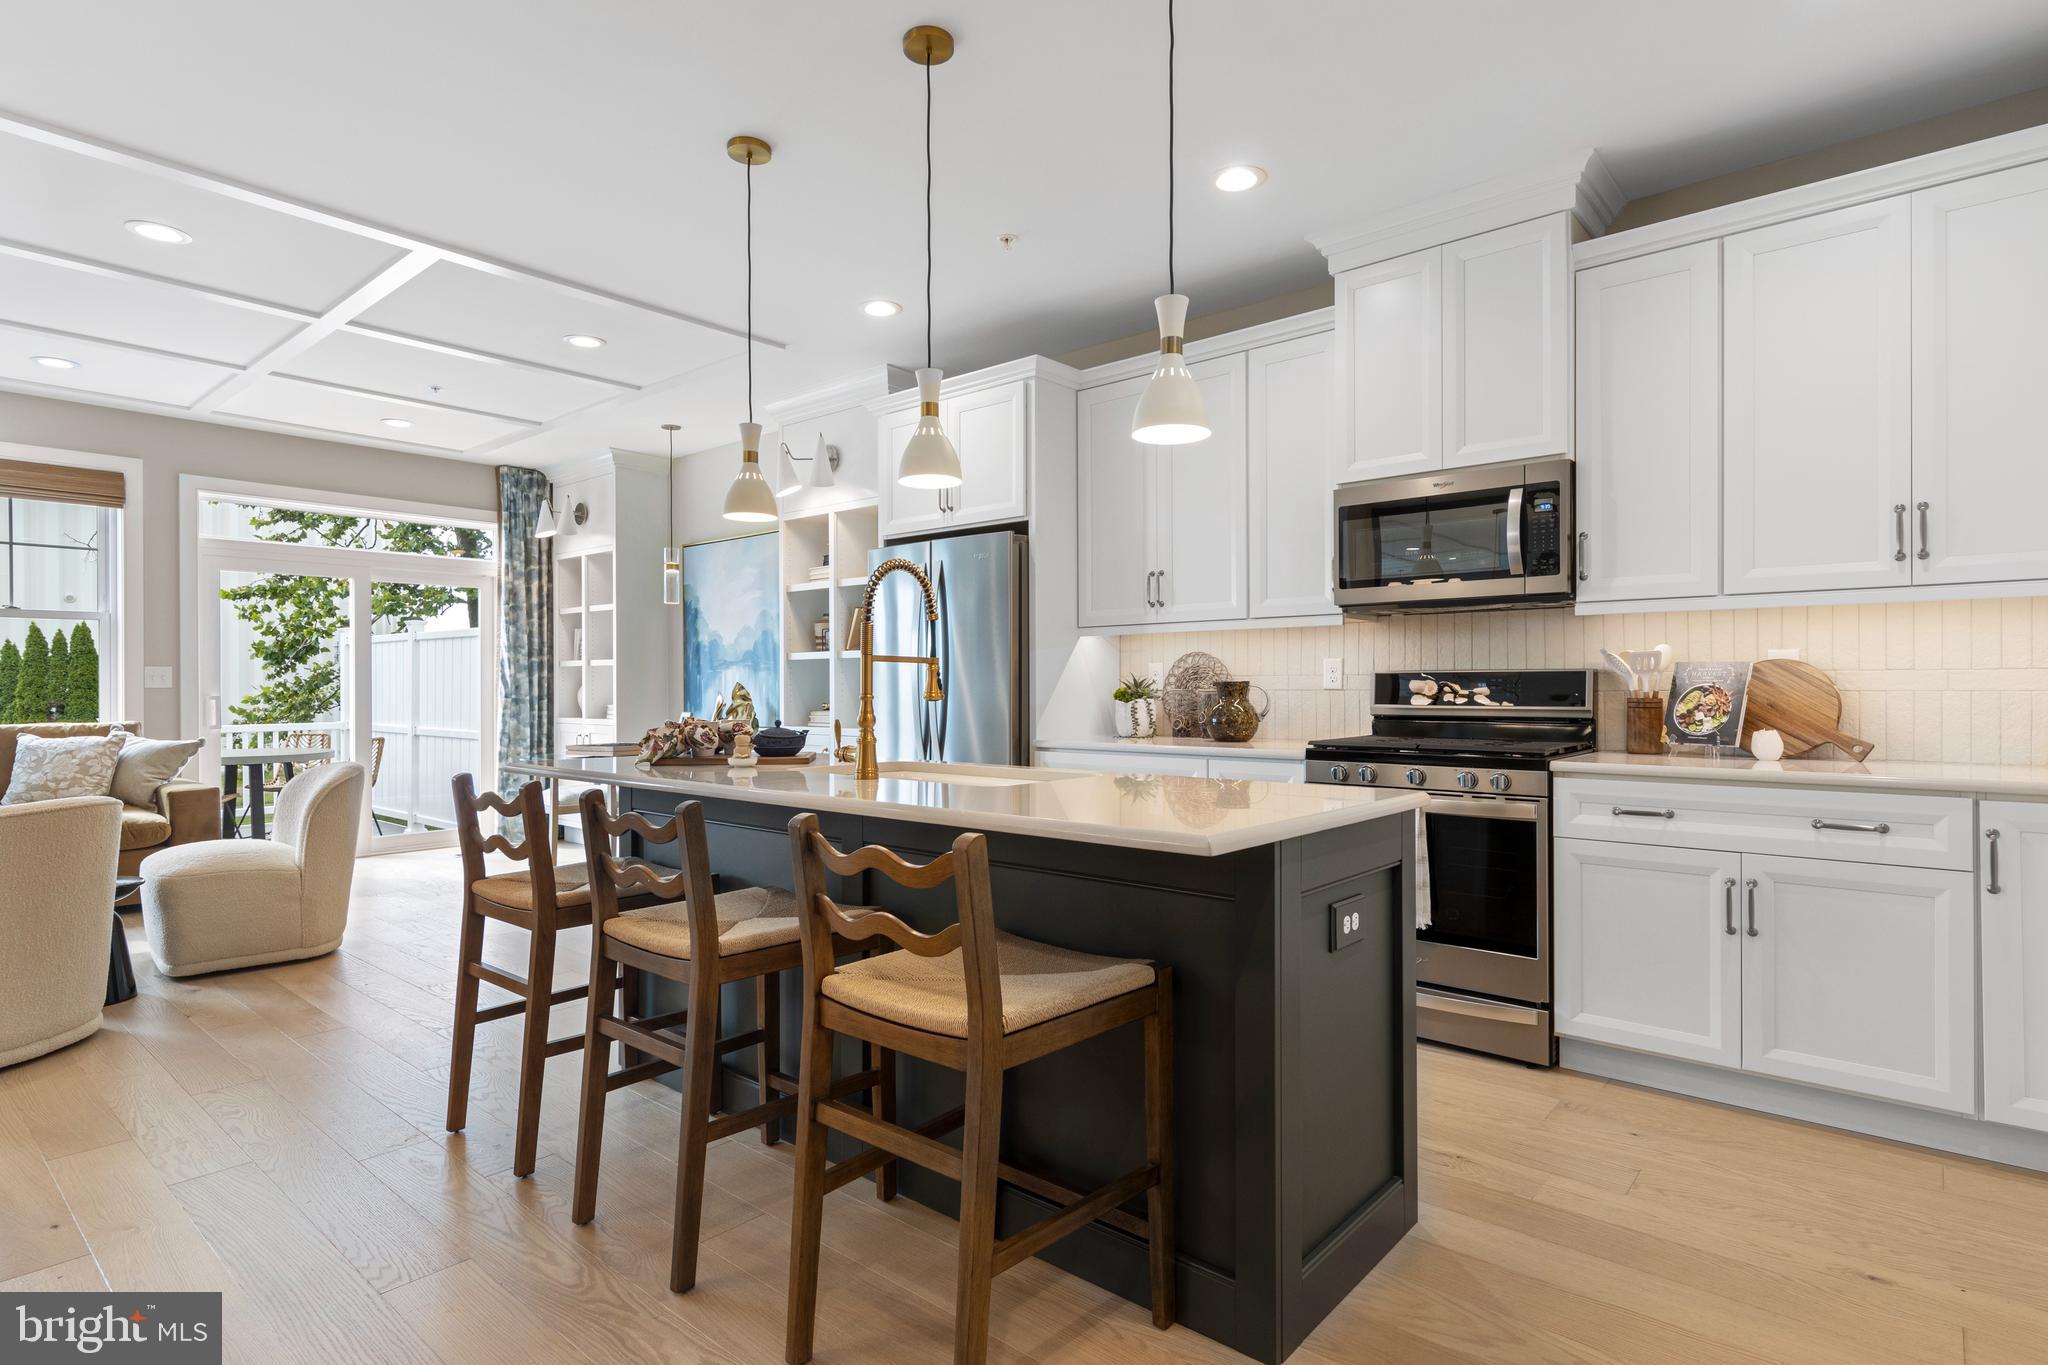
(971, 774)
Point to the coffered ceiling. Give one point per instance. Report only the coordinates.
(398, 211)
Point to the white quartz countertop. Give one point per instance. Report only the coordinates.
(1970, 779)
(1275, 749)
(1193, 815)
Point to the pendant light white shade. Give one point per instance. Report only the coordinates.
(929, 460)
(750, 498)
(1170, 411)
(823, 474)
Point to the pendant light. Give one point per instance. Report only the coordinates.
(671, 553)
(929, 460)
(1170, 411)
(750, 498)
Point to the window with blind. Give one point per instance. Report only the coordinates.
(58, 599)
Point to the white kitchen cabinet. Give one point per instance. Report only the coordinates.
(1389, 366)
(1649, 426)
(1275, 769)
(1146, 762)
(1202, 531)
(1817, 402)
(989, 427)
(1980, 408)
(1644, 958)
(1163, 531)
(1507, 344)
(2015, 962)
(1289, 412)
(1861, 978)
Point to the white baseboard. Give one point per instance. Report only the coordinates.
(1788, 1099)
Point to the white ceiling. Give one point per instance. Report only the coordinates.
(399, 208)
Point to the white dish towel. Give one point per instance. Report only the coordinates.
(1421, 870)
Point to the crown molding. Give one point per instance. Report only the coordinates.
(851, 392)
(1999, 153)
(1223, 343)
(1579, 185)
(1038, 367)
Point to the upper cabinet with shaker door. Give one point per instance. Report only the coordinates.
(1288, 445)
(1118, 561)
(1980, 355)
(1389, 365)
(1457, 354)
(1507, 344)
(1817, 405)
(989, 427)
(904, 511)
(1649, 413)
(989, 415)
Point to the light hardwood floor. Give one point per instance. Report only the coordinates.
(276, 1134)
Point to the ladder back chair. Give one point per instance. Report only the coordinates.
(980, 1002)
(541, 898)
(688, 932)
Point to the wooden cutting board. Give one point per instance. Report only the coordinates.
(1800, 702)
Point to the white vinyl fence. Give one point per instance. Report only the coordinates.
(425, 704)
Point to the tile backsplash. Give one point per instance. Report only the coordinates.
(1955, 682)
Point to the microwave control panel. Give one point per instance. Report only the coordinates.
(1540, 533)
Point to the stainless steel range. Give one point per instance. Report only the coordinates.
(1481, 745)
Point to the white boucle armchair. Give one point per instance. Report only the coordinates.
(56, 912)
(243, 902)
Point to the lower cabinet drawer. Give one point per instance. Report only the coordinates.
(1151, 762)
(1861, 827)
(1258, 769)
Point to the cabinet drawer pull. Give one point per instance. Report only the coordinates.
(1992, 888)
(1751, 885)
(1854, 826)
(1583, 575)
(1899, 533)
(1923, 532)
(1653, 814)
(1728, 906)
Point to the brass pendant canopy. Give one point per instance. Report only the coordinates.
(928, 45)
(748, 150)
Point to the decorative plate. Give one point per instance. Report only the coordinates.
(1190, 691)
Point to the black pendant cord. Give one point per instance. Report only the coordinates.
(750, 286)
(1170, 39)
(927, 205)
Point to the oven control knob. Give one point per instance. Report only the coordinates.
(1416, 777)
(1468, 779)
(1368, 774)
(1336, 772)
(1500, 782)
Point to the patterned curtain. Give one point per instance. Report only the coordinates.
(526, 601)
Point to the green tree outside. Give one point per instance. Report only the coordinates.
(10, 674)
(82, 685)
(60, 673)
(32, 683)
(296, 618)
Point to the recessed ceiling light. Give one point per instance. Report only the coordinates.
(582, 342)
(1234, 179)
(394, 421)
(158, 232)
(881, 308)
(54, 362)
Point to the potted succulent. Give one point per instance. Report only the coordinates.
(1137, 708)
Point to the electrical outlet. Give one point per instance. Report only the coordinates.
(1347, 922)
(1333, 674)
(156, 675)
(1156, 671)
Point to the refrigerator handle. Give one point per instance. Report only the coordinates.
(943, 652)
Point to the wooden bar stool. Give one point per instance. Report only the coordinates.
(980, 1002)
(542, 899)
(749, 934)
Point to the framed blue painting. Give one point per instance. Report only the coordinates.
(732, 629)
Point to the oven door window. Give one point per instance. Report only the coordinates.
(1483, 890)
(1462, 537)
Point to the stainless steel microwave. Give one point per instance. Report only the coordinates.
(1488, 536)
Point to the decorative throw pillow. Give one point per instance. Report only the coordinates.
(51, 769)
(146, 764)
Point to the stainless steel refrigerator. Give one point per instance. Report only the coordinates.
(980, 642)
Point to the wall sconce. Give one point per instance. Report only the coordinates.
(824, 463)
(546, 527)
